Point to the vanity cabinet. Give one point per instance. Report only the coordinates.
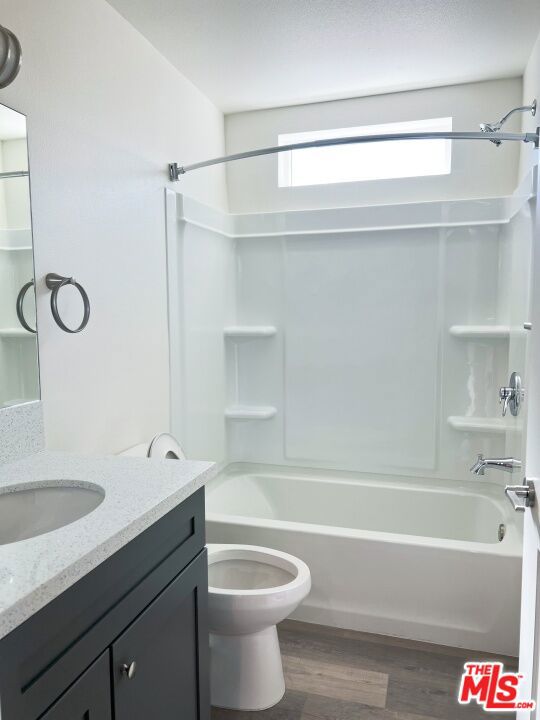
(154, 661)
(128, 641)
(89, 698)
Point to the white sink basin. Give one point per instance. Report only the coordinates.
(27, 511)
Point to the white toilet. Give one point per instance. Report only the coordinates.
(250, 590)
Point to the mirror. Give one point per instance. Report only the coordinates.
(19, 370)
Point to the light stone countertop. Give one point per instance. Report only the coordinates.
(138, 491)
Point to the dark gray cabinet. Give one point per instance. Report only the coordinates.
(128, 641)
(89, 698)
(158, 660)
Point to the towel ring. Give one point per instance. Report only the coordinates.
(19, 306)
(55, 282)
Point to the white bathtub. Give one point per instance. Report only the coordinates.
(409, 558)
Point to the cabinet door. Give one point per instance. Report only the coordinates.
(89, 698)
(160, 663)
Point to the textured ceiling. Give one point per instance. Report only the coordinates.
(247, 54)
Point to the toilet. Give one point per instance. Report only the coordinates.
(250, 590)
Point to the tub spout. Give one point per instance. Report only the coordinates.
(482, 464)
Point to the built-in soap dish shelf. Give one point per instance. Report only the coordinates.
(249, 332)
(15, 334)
(480, 332)
(465, 423)
(250, 412)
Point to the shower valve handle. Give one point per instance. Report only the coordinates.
(512, 395)
(505, 395)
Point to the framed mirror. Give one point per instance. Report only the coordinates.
(19, 368)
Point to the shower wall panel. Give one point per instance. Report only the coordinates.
(364, 371)
(201, 279)
(386, 345)
(362, 351)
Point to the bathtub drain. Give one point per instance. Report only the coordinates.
(502, 532)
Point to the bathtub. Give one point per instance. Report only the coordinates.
(418, 559)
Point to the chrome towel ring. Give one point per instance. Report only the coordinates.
(55, 282)
(19, 306)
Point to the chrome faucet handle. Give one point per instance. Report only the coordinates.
(521, 496)
(512, 395)
(505, 395)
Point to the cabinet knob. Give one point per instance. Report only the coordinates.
(129, 669)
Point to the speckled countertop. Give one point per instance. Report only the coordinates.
(138, 492)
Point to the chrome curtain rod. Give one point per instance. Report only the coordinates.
(176, 170)
(14, 173)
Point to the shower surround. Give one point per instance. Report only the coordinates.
(369, 341)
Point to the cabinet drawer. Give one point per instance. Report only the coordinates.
(43, 656)
(89, 698)
(160, 663)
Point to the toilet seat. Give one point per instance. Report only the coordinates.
(254, 571)
(165, 446)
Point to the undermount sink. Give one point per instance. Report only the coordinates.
(27, 510)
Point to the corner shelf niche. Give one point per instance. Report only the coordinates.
(465, 423)
(240, 332)
(488, 332)
(250, 412)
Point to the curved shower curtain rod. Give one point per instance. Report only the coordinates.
(490, 131)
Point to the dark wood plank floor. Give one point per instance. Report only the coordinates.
(335, 674)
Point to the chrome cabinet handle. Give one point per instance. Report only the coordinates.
(521, 496)
(55, 282)
(129, 669)
(19, 306)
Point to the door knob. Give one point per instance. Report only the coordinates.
(129, 669)
(521, 496)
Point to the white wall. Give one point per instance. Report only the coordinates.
(106, 113)
(478, 169)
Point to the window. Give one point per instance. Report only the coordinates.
(370, 161)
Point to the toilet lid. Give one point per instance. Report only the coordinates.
(165, 446)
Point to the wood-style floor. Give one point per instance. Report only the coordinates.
(335, 674)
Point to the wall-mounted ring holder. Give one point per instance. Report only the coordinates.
(20, 306)
(55, 283)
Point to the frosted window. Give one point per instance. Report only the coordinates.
(373, 161)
